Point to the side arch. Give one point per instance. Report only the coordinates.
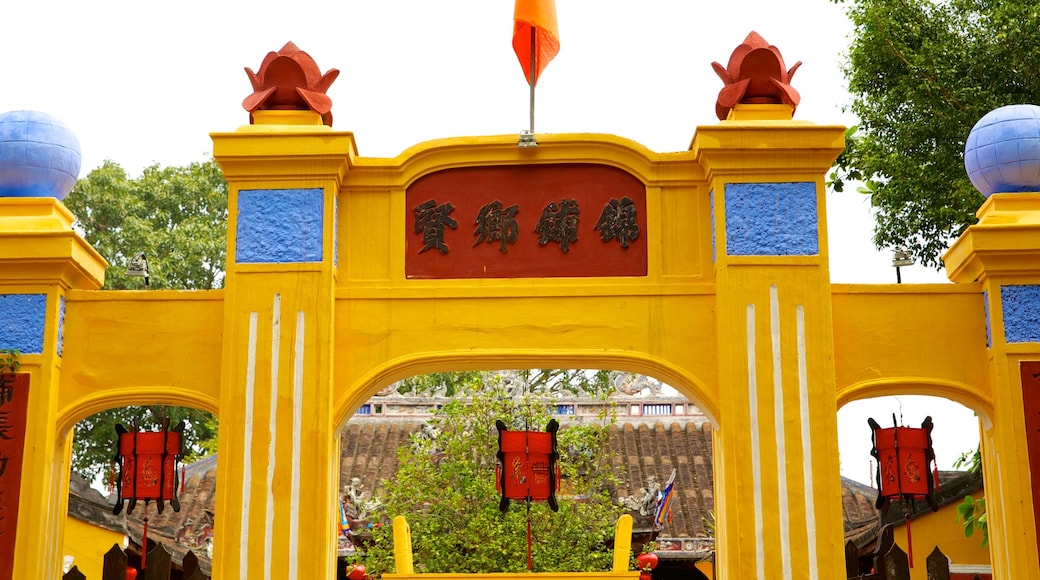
(963, 393)
(83, 407)
(703, 396)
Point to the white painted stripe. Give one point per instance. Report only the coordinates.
(276, 344)
(1003, 505)
(247, 446)
(756, 456)
(297, 439)
(807, 470)
(781, 434)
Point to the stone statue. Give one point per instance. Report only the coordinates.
(645, 502)
(356, 506)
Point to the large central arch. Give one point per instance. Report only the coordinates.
(689, 386)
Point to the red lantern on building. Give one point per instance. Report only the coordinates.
(526, 466)
(147, 464)
(904, 455)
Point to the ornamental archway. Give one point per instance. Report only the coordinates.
(337, 281)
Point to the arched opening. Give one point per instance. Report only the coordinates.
(92, 528)
(651, 429)
(957, 471)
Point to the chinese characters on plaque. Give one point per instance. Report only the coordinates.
(14, 401)
(519, 221)
(1030, 371)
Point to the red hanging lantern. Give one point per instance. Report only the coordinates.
(526, 466)
(147, 464)
(904, 455)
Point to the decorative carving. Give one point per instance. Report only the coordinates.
(631, 384)
(357, 508)
(290, 80)
(646, 500)
(756, 75)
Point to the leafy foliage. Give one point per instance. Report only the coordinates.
(971, 513)
(970, 459)
(94, 446)
(543, 381)
(9, 360)
(445, 487)
(921, 74)
(176, 216)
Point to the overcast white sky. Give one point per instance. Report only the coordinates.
(143, 82)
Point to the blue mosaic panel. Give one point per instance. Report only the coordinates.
(22, 320)
(989, 324)
(1021, 305)
(772, 219)
(61, 324)
(280, 226)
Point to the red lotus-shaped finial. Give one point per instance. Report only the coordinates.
(755, 75)
(290, 80)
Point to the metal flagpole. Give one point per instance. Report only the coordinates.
(534, 69)
(527, 137)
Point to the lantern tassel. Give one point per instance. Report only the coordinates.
(909, 542)
(529, 563)
(144, 540)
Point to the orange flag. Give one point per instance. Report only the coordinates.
(539, 16)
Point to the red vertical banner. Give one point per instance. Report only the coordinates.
(1031, 405)
(14, 404)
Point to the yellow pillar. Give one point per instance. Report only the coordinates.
(41, 258)
(277, 442)
(1001, 252)
(778, 504)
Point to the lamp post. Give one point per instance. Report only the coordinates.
(901, 257)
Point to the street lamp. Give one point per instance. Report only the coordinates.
(901, 257)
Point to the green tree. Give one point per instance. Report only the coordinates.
(544, 381)
(971, 513)
(921, 73)
(177, 217)
(445, 488)
(94, 446)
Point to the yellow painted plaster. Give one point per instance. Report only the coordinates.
(941, 529)
(87, 544)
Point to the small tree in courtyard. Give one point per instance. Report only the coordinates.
(445, 487)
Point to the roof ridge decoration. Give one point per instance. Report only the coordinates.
(290, 80)
(755, 75)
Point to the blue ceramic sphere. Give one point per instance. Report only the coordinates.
(1002, 154)
(39, 156)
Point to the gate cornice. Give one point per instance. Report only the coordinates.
(653, 169)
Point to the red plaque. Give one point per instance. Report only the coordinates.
(526, 221)
(1031, 405)
(14, 404)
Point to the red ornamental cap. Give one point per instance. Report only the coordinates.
(290, 80)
